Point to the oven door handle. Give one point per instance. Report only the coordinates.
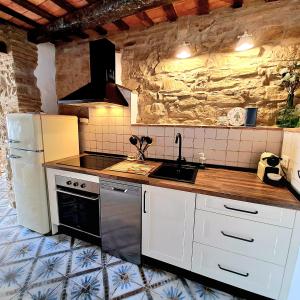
(77, 195)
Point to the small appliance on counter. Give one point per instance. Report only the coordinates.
(269, 169)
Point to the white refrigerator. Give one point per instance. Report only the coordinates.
(33, 140)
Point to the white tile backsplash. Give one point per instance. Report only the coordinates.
(109, 131)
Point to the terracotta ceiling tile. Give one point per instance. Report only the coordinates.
(214, 4)
(78, 3)
(52, 8)
(157, 15)
(5, 16)
(110, 27)
(132, 21)
(20, 23)
(36, 2)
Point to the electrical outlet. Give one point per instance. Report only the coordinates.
(285, 161)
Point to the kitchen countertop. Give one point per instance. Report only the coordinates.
(238, 185)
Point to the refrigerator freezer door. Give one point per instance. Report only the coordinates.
(29, 185)
(60, 136)
(25, 131)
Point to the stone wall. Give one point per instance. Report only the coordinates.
(198, 90)
(18, 90)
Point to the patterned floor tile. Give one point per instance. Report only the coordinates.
(8, 235)
(201, 292)
(25, 233)
(50, 291)
(154, 276)
(23, 250)
(13, 277)
(110, 260)
(8, 221)
(49, 268)
(88, 286)
(172, 290)
(57, 243)
(123, 279)
(86, 259)
(78, 244)
(36, 267)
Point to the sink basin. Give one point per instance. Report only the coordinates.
(185, 173)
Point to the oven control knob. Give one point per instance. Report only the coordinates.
(75, 183)
(83, 185)
(69, 182)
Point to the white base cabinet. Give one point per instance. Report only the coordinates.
(237, 270)
(251, 246)
(168, 221)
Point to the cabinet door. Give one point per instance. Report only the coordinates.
(168, 220)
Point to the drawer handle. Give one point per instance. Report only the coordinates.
(119, 190)
(254, 212)
(237, 237)
(234, 272)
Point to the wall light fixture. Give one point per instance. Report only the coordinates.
(184, 51)
(245, 42)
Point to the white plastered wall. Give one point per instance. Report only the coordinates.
(45, 74)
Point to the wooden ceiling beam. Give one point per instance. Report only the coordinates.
(237, 3)
(6, 22)
(88, 17)
(121, 25)
(145, 19)
(65, 5)
(100, 30)
(170, 12)
(17, 15)
(203, 7)
(35, 9)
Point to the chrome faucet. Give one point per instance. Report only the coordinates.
(178, 139)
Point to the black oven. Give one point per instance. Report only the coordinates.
(78, 206)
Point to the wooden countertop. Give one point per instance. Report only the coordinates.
(243, 186)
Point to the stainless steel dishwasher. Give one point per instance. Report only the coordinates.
(121, 205)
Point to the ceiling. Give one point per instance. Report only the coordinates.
(34, 15)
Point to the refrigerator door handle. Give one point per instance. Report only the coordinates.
(13, 156)
(10, 141)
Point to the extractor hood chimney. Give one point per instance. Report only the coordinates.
(102, 87)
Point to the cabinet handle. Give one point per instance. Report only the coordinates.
(144, 203)
(119, 190)
(234, 272)
(236, 237)
(254, 212)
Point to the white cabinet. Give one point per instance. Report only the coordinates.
(258, 240)
(241, 271)
(246, 210)
(168, 220)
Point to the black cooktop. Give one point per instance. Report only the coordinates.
(92, 161)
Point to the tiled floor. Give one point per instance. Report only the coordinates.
(36, 267)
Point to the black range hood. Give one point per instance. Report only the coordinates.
(102, 88)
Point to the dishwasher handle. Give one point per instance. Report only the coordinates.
(119, 190)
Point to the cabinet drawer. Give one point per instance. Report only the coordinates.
(251, 211)
(237, 270)
(254, 239)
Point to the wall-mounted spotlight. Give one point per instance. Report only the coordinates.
(245, 42)
(184, 51)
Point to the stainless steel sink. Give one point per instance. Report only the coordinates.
(175, 172)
